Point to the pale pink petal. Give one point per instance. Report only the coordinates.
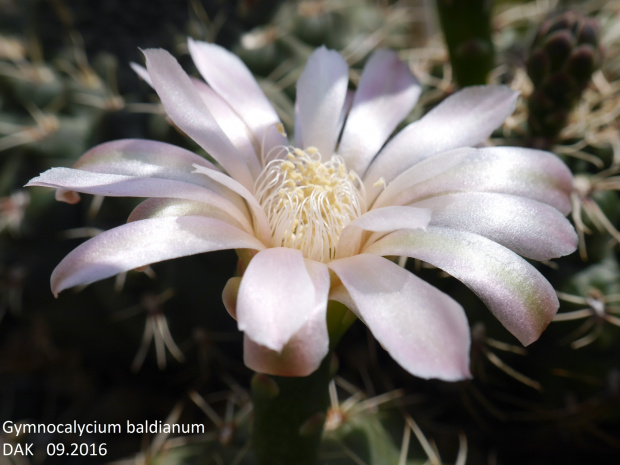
(279, 294)
(144, 158)
(463, 119)
(423, 171)
(186, 109)
(232, 125)
(260, 218)
(391, 218)
(519, 171)
(348, 101)
(321, 94)
(161, 208)
(114, 185)
(422, 328)
(141, 243)
(528, 227)
(381, 220)
(229, 295)
(515, 292)
(301, 356)
(142, 72)
(386, 94)
(233, 81)
(340, 294)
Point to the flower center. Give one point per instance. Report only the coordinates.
(309, 202)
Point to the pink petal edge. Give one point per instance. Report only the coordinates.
(232, 80)
(423, 329)
(465, 118)
(279, 293)
(187, 110)
(321, 95)
(141, 243)
(386, 94)
(515, 292)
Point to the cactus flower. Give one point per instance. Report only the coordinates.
(313, 218)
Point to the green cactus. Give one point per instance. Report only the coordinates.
(565, 53)
(466, 27)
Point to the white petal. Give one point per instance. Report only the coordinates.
(422, 328)
(141, 243)
(392, 218)
(348, 101)
(262, 225)
(419, 173)
(142, 72)
(463, 119)
(232, 125)
(321, 94)
(385, 219)
(229, 295)
(144, 158)
(527, 227)
(518, 171)
(279, 294)
(344, 114)
(186, 109)
(161, 208)
(515, 292)
(113, 185)
(233, 81)
(301, 356)
(387, 92)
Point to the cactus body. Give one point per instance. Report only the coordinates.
(564, 55)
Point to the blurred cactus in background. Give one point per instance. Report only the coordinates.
(66, 85)
(565, 53)
(466, 28)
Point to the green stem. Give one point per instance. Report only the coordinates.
(289, 414)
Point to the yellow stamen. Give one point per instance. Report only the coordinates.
(309, 202)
